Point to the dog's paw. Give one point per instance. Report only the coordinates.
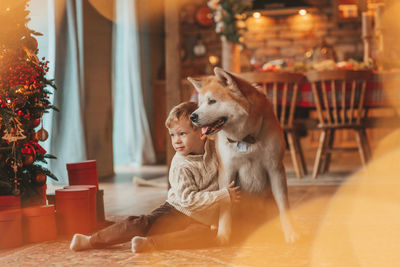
(290, 234)
(291, 237)
(222, 240)
(288, 231)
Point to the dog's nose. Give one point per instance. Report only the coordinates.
(194, 117)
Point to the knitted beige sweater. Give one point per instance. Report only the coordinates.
(194, 185)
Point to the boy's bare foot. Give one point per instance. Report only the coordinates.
(80, 242)
(141, 244)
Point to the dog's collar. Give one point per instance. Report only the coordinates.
(249, 139)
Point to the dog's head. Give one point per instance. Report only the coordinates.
(222, 102)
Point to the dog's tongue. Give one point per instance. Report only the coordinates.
(205, 129)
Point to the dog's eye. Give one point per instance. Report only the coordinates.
(211, 101)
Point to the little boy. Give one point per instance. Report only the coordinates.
(185, 219)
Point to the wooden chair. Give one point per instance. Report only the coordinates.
(339, 98)
(282, 89)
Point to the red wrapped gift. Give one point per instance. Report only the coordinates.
(100, 206)
(82, 173)
(10, 228)
(39, 223)
(92, 199)
(73, 211)
(10, 202)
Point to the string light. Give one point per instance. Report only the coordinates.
(302, 12)
(256, 15)
(213, 60)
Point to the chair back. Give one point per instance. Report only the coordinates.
(281, 88)
(339, 96)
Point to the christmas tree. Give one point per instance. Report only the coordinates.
(24, 98)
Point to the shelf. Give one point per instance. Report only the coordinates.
(285, 11)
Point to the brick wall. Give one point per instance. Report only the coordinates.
(275, 36)
(292, 36)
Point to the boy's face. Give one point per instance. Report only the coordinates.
(185, 139)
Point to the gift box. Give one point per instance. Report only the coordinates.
(51, 198)
(39, 223)
(10, 202)
(73, 210)
(100, 205)
(92, 200)
(10, 228)
(83, 173)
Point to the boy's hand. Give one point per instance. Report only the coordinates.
(234, 192)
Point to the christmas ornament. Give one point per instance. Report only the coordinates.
(41, 135)
(40, 178)
(35, 123)
(16, 133)
(30, 43)
(204, 16)
(29, 159)
(199, 48)
(16, 191)
(10, 161)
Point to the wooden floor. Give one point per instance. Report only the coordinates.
(123, 196)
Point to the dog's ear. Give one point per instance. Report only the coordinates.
(228, 80)
(196, 83)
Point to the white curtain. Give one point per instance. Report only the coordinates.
(62, 45)
(131, 134)
(61, 22)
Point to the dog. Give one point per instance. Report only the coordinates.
(249, 143)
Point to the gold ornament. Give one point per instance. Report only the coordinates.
(16, 133)
(42, 135)
(30, 43)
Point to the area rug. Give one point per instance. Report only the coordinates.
(56, 253)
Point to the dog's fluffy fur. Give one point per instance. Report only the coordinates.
(249, 142)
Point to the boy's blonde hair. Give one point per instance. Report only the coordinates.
(183, 110)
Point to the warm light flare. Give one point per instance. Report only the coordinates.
(213, 60)
(257, 15)
(302, 12)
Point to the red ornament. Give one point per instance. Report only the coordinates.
(28, 159)
(36, 123)
(204, 17)
(40, 178)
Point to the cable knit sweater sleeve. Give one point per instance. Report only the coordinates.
(186, 195)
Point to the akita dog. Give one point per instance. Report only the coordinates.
(249, 142)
